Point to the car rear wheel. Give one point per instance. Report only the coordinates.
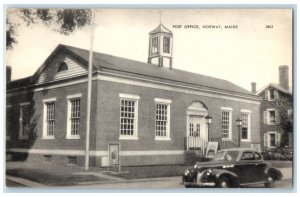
(270, 180)
(223, 182)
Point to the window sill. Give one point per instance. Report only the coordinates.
(73, 137)
(162, 139)
(23, 138)
(128, 138)
(48, 138)
(246, 140)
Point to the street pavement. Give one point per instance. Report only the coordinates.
(151, 183)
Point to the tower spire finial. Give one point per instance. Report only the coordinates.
(159, 16)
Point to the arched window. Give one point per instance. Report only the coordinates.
(62, 67)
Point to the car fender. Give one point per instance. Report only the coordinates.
(217, 173)
(275, 171)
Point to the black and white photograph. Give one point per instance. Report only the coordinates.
(149, 98)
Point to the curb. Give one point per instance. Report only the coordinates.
(24, 182)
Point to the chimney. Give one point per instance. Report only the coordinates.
(253, 85)
(8, 74)
(284, 77)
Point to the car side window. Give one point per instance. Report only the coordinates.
(257, 156)
(247, 156)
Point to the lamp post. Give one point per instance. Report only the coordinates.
(239, 124)
(208, 121)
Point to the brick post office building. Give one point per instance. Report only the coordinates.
(154, 111)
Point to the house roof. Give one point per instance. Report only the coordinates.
(110, 62)
(274, 85)
(160, 29)
(129, 67)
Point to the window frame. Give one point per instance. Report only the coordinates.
(227, 109)
(135, 99)
(157, 47)
(7, 122)
(45, 121)
(268, 142)
(269, 116)
(166, 102)
(21, 122)
(166, 44)
(248, 113)
(71, 98)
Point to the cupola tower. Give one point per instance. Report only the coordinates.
(160, 47)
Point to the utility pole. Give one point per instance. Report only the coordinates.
(89, 94)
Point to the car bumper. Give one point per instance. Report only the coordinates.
(192, 184)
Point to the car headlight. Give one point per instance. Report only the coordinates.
(195, 166)
(187, 172)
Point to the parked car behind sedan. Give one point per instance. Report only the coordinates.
(234, 167)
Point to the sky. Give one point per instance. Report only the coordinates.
(249, 53)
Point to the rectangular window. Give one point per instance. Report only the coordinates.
(161, 120)
(245, 126)
(154, 47)
(127, 117)
(75, 116)
(9, 121)
(47, 158)
(226, 124)
(73, 124)
(50, 118)
(272, 117)
(166, 45)
(272, 94)
(272, 139)
(72, 160)
(24, 120)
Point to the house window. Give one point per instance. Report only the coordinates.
(271, 94)
(272, 139)
(128, 116)
(166, 45)
(271, 117)
(75, 116)
(245, 126)
(162, 119)
(154, 47)
(226, 124)
(49, 118)
(62, 67)
(73, 124)
(24, 120)
(72, 160)
(9, 121)
(47, 158)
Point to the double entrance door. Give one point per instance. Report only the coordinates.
(197, 128)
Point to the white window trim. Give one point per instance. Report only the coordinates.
(268, 142)
(45, 136)
(7, 136)
(230, 122)
(167, 102)
(21, 121)
(74, 96)
(268, 116)
(129, 96)
(68, 133)
(135, 131)
(246, 111)
(269, 94)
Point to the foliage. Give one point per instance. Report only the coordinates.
(64, 21)
(284, 119)
(283, 153)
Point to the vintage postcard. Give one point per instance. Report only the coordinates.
(149, 98)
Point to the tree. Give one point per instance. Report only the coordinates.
(284, 117)
(64, 21)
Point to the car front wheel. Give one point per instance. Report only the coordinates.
(270, 180)
(223, 182)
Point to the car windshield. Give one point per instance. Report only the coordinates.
(226, 156)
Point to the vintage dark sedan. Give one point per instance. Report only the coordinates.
(234, 167)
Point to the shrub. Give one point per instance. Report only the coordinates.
(282, 153)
